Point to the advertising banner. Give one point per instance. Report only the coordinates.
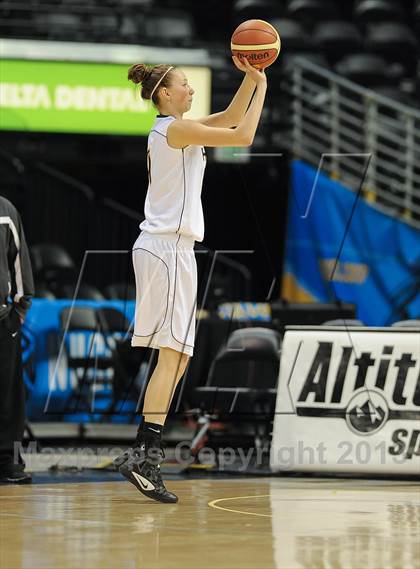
(339, 247)
(82, 97)
(51, 384)
(348, 400)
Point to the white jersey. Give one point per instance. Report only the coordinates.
(173, 200)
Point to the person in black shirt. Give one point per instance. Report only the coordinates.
(16, 290)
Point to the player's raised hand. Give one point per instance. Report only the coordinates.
(258, 75)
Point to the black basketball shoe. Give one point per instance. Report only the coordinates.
(141, 467)
(14, 474)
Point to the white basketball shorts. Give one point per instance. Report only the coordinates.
(166, 292)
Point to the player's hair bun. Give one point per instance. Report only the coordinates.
(150, 76)
(139, 73)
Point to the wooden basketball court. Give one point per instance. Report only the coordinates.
(234, 522)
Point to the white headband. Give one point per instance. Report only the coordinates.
(158, 83)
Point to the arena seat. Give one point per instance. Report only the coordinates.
(242, 382)
(60, 26)
(171, 4)
(112, 320)
(310, 12)
(120, 291)
(343, 322)
(50, 262)
(372, 11)
(395, 94)
(337, 39)
(43, 292)
(313, 57)
(169, 27)
(416, 15)
(106, 26)
(136, 3)
(417, 84)
(74, 320)
(406, 324)
(260, 9)
(293, 35)
(395, 42)
(130, 30)
(365, 69)
(85, 292)
(114, 326)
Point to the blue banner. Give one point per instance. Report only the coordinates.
(52, 385)
(339, 247)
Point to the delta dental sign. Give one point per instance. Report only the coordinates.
(96, 98)
(66, 97)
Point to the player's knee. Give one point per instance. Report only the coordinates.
(181, 364)
(173, 361)
(184, 362)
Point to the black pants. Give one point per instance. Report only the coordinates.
(12, 389)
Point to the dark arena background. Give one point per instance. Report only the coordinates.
(293, 439)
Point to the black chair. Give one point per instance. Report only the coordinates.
(364, 69)
(95, 368)
(374, 11)
(137, 4)
(395, 42)
(132, 15)
(86, 367)
(310, 12)
(78, 318)
(129, 29)
(174, 28)
(289, 62)
(293, 36)
(111, 320)
(417, 85)
(60, 26)
(241, 385)
(337, 39)
(395, 94)
(257, 9)
(343, 322)
(308, 314)
(105, 26)
(43, 292)
(85, 292)
(406, 324)
(114, 327)
(52, 266)
(120, 291)
(48, 259)
(416, 16)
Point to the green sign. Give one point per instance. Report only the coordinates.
(96, 98)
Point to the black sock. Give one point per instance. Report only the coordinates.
(150, 434)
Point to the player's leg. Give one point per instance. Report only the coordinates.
(159, 394)
(161, 388)
(141, 464)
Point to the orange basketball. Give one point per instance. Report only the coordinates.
(256, 40)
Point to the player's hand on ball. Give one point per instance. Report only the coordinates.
(239, 64)
(258, 75)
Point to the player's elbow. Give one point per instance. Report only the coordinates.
(245, 140)
(248, 141)
(231, 119)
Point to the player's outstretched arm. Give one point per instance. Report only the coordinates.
(182, 133)
(236, 110)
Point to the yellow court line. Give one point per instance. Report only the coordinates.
(213, 503)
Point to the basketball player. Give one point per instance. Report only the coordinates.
(163, 255)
